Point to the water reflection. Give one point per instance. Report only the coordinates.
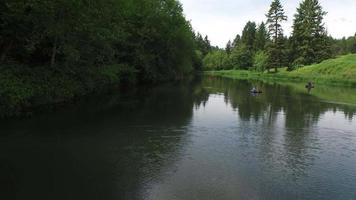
(104, 149)
(284, 114)
(199, 139)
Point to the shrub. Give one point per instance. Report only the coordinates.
(260, 61)
(216, 60)
(241, 58)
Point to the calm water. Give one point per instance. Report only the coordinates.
(201, 139)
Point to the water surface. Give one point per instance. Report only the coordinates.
(201, 139)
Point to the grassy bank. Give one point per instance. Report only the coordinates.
(338, 71)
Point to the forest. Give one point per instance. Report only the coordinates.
(264, 46)
(53, 51)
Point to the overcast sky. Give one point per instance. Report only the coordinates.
(221, 20)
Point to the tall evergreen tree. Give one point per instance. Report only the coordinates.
(228, 48)
(236, 42)
(275, 17)
(207, 44)
(261, 37)
(203, 44)
(249, 35)
(309, 37)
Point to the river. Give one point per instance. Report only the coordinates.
(206, 138)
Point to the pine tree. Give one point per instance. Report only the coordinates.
(207, 44)
(261, 37)
(309, 37)
(236, 42)
(228, 48)
(249, 35)
(203, 44)
(275, 17)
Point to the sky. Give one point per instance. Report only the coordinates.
(221, 20)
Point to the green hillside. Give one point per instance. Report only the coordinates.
(343, 67)
(337, 71)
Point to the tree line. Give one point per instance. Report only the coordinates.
(55, 50)
(150, 37)
(264, 46)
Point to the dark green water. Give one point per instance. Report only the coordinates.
(201, 139)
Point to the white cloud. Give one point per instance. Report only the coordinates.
(221, 20)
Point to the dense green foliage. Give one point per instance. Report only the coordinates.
(51, 51)
(216, 60)
(241, 57)
(262, 37)
(237, 41)
(344, 45)
(260, 61)
(239, 54)
(151, 36)
(249, 36)
(229, 47)
(203, 44)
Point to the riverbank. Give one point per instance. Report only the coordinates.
(340, 71)
(21, 91)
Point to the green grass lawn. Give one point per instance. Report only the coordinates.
(338, 71)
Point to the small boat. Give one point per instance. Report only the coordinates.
(256, 91)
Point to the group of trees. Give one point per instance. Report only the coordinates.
(264, 46)
(150, 37)
(203, 44)
(344, 45)
(239, 52)
(55, 50)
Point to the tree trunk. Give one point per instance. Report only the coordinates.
(54, 52)
(5, 51)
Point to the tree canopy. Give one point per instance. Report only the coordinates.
(152, 37)
(55, 50)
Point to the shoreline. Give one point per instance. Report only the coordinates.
(282, 77)
(330, 93)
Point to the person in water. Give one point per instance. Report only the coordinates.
(309, 86)
(254, 90)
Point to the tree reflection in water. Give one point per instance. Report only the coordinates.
(125, 144)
